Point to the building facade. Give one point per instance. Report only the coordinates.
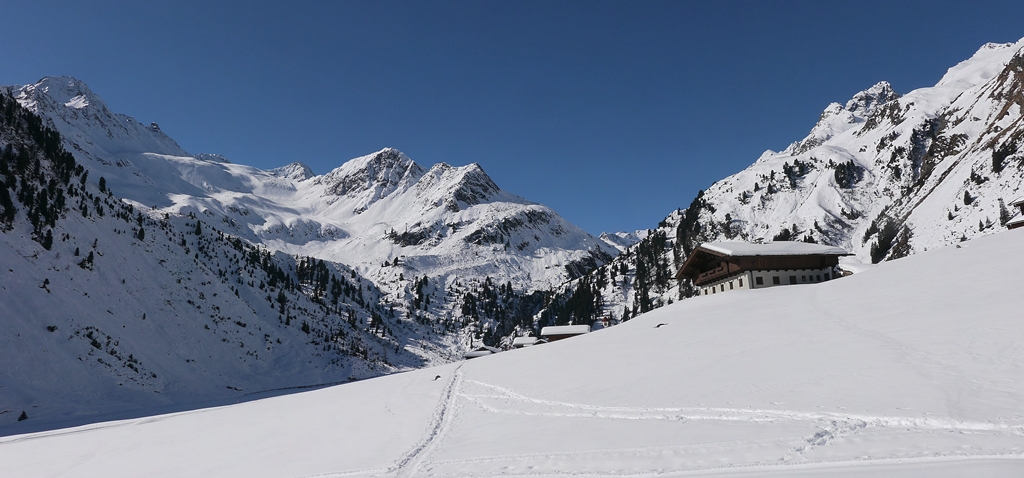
(1019, 221)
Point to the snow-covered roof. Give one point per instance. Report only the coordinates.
(565, 330)
(1017, 202)
(524, 341)
(772, 248)
(481, 351)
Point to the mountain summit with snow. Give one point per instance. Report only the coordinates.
(139, 275)
(886, 175)
(444, 222)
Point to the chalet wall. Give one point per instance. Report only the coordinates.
(768, 278)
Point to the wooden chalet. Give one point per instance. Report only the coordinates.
(717, 267)
(559, 332)
(1019, 222)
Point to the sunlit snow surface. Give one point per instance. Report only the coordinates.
(913, 368)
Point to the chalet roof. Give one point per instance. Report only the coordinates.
(565, 330)
(772, 248)
(1017, 202)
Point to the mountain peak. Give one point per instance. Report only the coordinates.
(66, 85)
(65, 91)
(837, 118)
(298, 171)
(382, 171)
(865, 102)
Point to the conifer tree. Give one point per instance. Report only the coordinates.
(1004, 214)
(48, 239)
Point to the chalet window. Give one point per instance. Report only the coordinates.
(723, 287)
(826, 276)
(741, 282)
(803, 278)
(759, 280)
(792, 279)
(730, 285)
(775, 280)
(818, 277)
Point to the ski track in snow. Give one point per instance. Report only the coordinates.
(727, 414)
(409, 463)
(502, 400)
(831, 426)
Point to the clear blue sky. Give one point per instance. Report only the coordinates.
(612, 113)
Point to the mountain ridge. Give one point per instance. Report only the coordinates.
(882, 175)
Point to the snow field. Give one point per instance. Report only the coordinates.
(912, 368)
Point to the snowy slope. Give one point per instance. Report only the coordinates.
(912, 368)
(108, 308)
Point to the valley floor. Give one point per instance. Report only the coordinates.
(914, 368)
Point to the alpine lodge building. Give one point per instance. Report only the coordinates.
(716, 267)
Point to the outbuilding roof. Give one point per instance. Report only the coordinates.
(480, 352)
(772, 248)
(524, 341)
(565, 330)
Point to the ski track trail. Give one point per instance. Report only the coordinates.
(831, 426)
(410, 462)
(725, 414)
(500, 400)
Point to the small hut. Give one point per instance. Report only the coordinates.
(480, 352)
(520, 342)
(559, 332)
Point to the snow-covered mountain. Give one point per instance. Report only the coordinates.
(447, 223)
(383, 265)
(622, 240)
(139, 275)
(883, 176)
(886, 175)
(922, 379)
(107, 307)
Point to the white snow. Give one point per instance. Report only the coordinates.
(564, 330)
(772, 248)
(913, 368)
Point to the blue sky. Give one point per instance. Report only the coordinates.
(612, 113)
